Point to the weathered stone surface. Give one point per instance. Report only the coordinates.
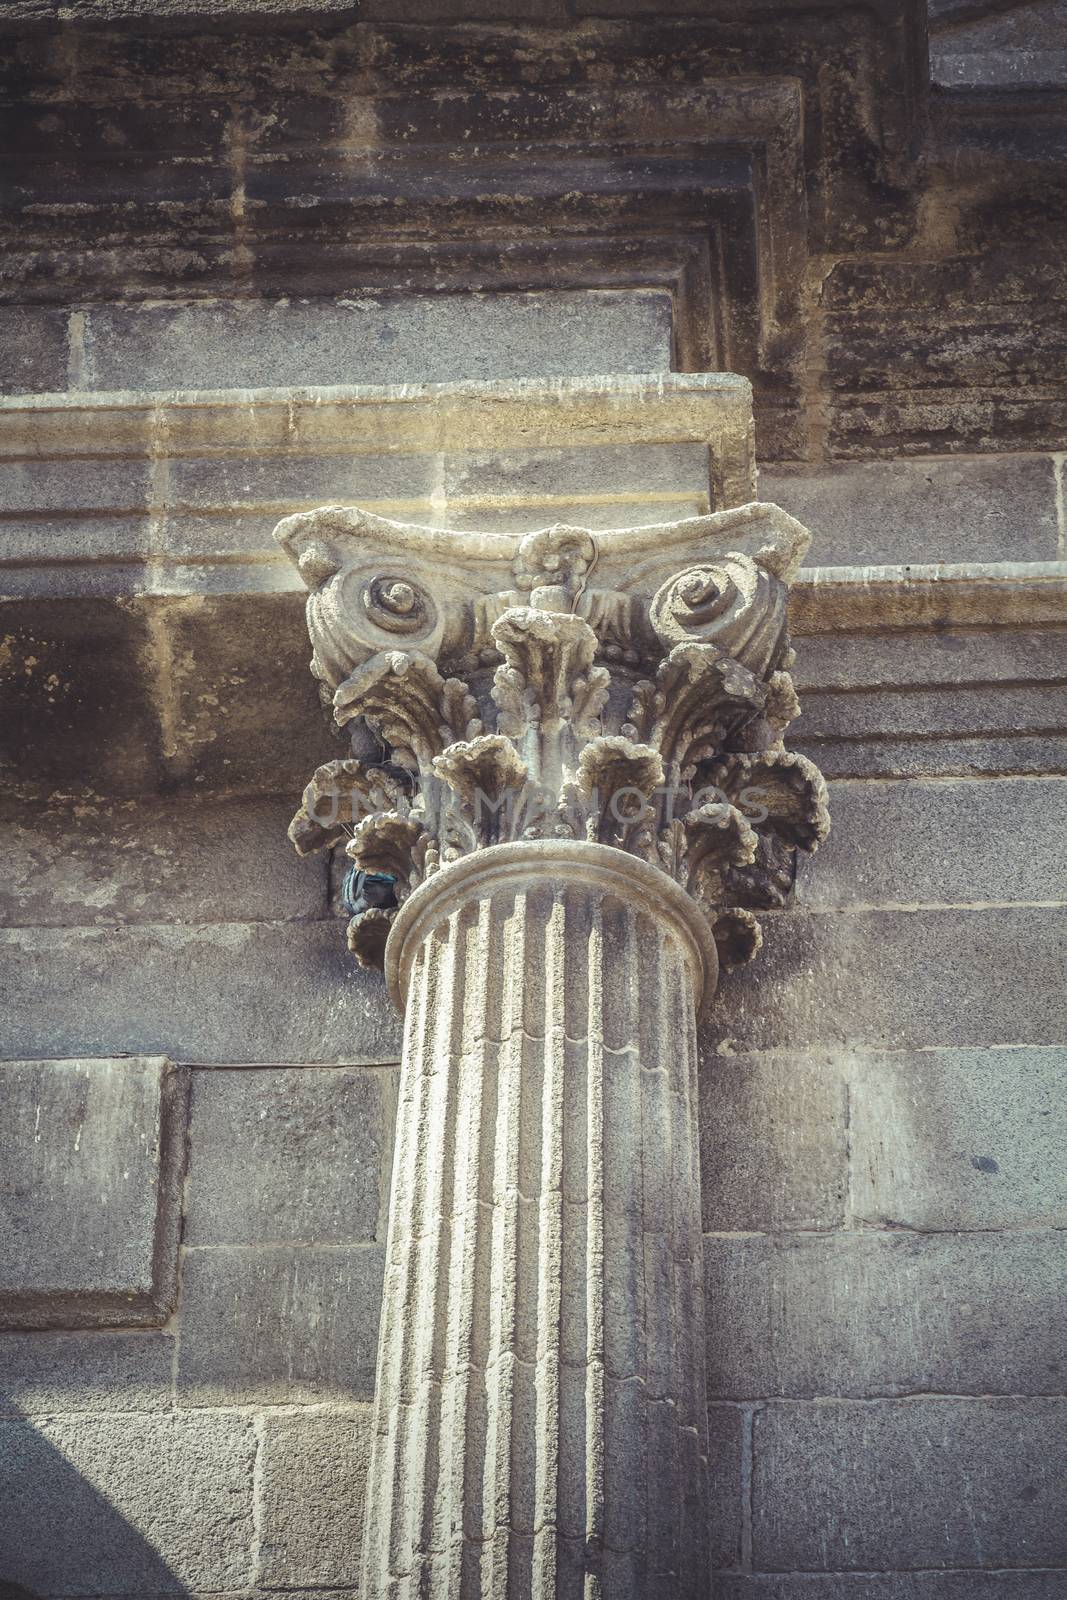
(885, 1314)
(103, 862)
(278, 1325)
(34, 340)
(222, 992)
(944, 1483)
(250, 344)
(93, 1159)
(941, 843)
(44, 1374)
(1000, 508)
(286, 1155)
(969, 1585)
(920, 713)
(959, 1138)
(128, 1506)
(828, 979)
(314, 1474)
(773, 1142)
(1026, 48)
(1021, 756)
(726, 1427)
(902, 658)
(79, 706)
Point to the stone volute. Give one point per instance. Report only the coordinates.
(572, 795)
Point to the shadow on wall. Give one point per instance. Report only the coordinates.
(58, 1534)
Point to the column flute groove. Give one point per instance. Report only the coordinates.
(550, 867)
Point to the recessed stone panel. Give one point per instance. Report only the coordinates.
(92, 1158)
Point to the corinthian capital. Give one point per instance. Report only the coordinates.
(629, 688)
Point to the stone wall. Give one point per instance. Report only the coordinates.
(198, 1086)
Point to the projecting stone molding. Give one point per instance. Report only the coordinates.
(568, 797)
(92, 1153)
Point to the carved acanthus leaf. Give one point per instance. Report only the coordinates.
(738, 937)
(339, 795)
(718, 838)
(386, 844)
(367, 935)
(548, 678)
(782, 791)
(616, 778)
(408, 704)
(698, 697)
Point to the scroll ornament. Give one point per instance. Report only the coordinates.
(560, 685)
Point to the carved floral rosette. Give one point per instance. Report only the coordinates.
(629, 688)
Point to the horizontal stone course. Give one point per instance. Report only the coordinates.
(876, 1486)
(977, 757)
(105, 862)
(773, 1150)
(250, 344)
(947, 842)
(885, 1314)
(128, 1505)
(969, 978)
(222, 992)
(969, 1585)
(959, 1138)
(987, 508)
(291, 1154)
(278, 1325)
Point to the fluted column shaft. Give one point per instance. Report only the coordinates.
(540, 1420)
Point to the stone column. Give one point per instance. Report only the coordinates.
(570, 849)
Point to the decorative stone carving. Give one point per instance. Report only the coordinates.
(581, 800)
(630, 688)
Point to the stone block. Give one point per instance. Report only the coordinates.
(279, 1325)
(897, 980)
(80, 706)
(1037, 755)
(921, 713)
(664, 472)
(959, 1139)
(217, 993)
(242, 710)
(92, 1158)
(293, 1154)
(313, 1476)
(970, 1585)
(933, 656)
(73, 485)
(726, 1428)
(103, 862)
(34, 342)
(44, 1374)
(932, 1483)
(953, 843)
(433, 338)
(773, 1142)
(885, 1314)
(128, 1505)
(983, 508)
